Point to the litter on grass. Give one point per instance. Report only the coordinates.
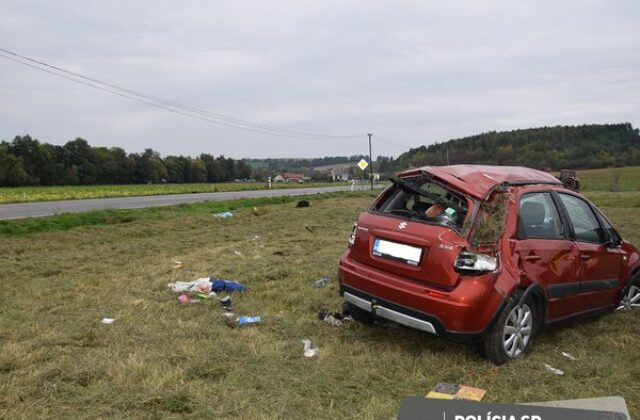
(334, 318)
(308, 350)
(553, 370)
(232, 320)
(207, 285)
(311, 229)
(322, 281)
(445, 391)
(177, 264)
(238, 253)
(302, 203)
(226, 304)
(184, 298)
(224, 215)
(568, 356)
(108, 321)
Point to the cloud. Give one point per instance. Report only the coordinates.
(411, 72)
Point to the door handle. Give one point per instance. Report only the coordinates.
(532, 257)
(585, 256)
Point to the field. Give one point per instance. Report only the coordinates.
(24, 194)
(610, 179)
(165, 359)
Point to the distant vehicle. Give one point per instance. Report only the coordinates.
(569, 179)
(485, 254)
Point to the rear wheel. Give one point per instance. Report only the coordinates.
(512, 334)
(631, 295)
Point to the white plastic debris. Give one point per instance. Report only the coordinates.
(309, 351)
(202, 285)
(108, 321)
(238, 253)
(553, 370)
(568, 356)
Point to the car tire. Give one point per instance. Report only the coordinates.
(357, 314)
(512, 334)
(629, 298)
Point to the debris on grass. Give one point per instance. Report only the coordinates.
(309, 351)
(311, 229)
(279, 254)
(206, 285)
(445, 391)
(238, 253)
(226, 304)
(223, 215)
(334, 318)
(568, 356)
(108, 321)
(177, 264)
(302, 203)
(245, 320)
(322, 281)
(184, 298)
(553, 370)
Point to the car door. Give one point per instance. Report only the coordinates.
(547, 255)
(600, 263)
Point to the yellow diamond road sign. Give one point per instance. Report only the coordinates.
(363, 164)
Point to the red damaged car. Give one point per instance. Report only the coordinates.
(485, 254)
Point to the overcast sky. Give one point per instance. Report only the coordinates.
(410, 72)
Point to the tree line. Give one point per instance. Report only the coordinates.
(26, 161)
(547, 148)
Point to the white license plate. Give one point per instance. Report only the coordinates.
(407, 253)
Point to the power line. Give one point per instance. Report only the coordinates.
(171, 106)
(393, 143)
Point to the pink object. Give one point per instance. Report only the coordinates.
(184, 298)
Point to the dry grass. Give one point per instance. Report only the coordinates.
(163, 359)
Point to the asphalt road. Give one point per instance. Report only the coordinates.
(48, 208)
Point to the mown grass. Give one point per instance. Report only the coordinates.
(74, 192)
(610, 179)
(164, 359)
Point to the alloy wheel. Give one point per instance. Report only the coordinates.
(631, 298)
(518, 330)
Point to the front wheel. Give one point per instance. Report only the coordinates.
(512, 334)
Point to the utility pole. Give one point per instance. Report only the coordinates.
(370, 161)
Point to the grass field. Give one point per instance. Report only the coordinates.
(164, 359)
(610, 179)
(74, 192)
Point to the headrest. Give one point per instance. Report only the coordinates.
(532, 213)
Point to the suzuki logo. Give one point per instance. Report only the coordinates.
(402, 225)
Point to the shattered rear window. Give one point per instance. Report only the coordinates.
(423, 199)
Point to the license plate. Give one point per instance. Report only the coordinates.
(409, 254)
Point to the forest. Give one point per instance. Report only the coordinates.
(547, 148)
(26, 161)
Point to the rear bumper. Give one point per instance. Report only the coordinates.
(463, 314)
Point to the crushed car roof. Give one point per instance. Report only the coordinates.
(477, 180)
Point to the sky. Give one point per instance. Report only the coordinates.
(409, 72)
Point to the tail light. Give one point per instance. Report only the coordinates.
(475, 263)
(352, 238)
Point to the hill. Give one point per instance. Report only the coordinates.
(549, 148)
